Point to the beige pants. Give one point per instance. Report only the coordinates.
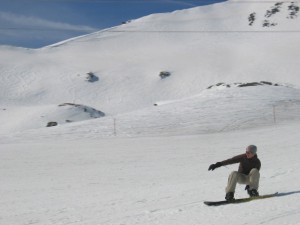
(235, 177)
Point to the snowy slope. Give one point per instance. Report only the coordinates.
(133, 148)
(128, 59)
(214, 110)
(146, 181)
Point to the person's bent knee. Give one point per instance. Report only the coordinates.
(254, 171)
(234, 174)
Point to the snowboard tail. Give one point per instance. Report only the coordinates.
(239, 200)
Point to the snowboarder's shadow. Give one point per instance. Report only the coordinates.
(287, 193)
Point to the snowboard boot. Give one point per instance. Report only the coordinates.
(229, 196)
(253, 193)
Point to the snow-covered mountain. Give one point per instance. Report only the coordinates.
(189, 88)
(199, 47)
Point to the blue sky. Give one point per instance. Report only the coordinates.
(37, 23)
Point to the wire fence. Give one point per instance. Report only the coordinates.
(166, 123)
(157, 122)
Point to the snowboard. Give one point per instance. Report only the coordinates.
(239, 200)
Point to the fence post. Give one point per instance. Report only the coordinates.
(274, 114)
(115, 127)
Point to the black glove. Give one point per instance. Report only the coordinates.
(214, 166)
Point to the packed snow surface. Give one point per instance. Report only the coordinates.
(157, 180)
(131, 147)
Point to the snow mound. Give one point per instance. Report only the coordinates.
(15, 119)
(77, 109)
(240, 84)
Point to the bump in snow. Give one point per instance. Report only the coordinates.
(248, 84)
(70, 112)
(89, 110)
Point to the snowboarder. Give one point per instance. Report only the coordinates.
(248, 172)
